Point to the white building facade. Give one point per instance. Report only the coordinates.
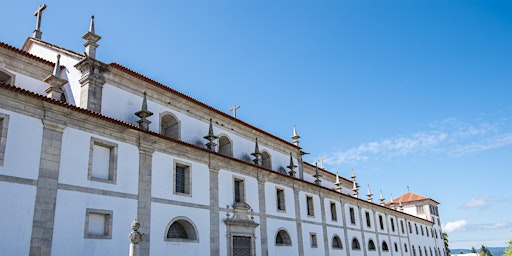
(87, 147)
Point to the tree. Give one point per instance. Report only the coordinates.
(445, 239)
(473, 250)
(508, 252)
(484, 251)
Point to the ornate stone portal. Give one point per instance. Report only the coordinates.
(240, 231)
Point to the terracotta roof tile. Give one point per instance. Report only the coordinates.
(26, 54)
(411, 197)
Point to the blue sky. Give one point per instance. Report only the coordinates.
(411, 94)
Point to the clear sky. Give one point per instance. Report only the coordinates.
(409, 94)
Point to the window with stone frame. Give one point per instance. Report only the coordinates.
(396, 247)
(336, 243)
(314, 241)
(170, 126)
(102, 161)
(402, 226)
(4, 125)
(368, 219)
(334, 212)
(310, 207)
(381, 222)
(385, 247)
(405, 247)
(416, 226)
(280, 201)
(410, 227)
(225, 146)
(355, 244)
(238, 190)
(181, 230)
(352, 215)
(420, 209)
(282, 238)
(392, 220)
(182, 179)
(98, 224)
(371, 245)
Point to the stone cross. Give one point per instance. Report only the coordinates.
(39, 14)
(234, 108)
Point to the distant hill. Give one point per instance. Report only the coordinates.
(495, 251)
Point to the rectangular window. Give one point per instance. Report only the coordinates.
(4, 124)
(368, 220)
(410, 228)
(416, 226)
(381, 223)
(402, 226)
(314, 242)
(352, 215)
(419, 209)
(392, 224)
(421, 227)
(334, 213)
(310, 207)
(98, 224)
(182, 180)
(281, 206)
(102, 161)
(239, 190)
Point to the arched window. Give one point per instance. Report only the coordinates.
(266, 160)
(181, 230)
(170, 126)
(282, 238)
(225, 146)
(385, 246)
(6, 77)
(371, 245)
(336, 243)
(355, 244)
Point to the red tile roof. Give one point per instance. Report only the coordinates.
(411, 197)
(26, 54)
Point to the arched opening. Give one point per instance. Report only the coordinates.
(371, 245)
(282, 238)
(181, 230)
(355, 244)
(266, 160)
(385, 246)
(225, 146)
(170, 126)
(336, 243)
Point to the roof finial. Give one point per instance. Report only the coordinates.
(317, 175)
(382, 199)
(91, 39)
(56, 68)
(370, 199)
(257, 154)
(291, 166)
(39, 14)
(143, 113)
(295, 136)
(211, 137)
(337, 184)
(56, 91)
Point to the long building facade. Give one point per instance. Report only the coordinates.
(87, 147)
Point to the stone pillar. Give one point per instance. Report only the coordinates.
(144, 202)
(298, 220)
(214, 211)
(92, 82)
(135, 238)
(263, 215)
(323, 211)
(46, 194)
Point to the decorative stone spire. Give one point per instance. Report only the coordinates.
(39, 14)
(392, 203)
(211, 137)
(370, 199)
(382, 199)
(337, 184)
(257, 154)
(295, 136)
(317, 175)
(353, 175)
(355, 187)
(291, 166)
(143, 113)
(135, 238)
(91, 40)
(55, 90)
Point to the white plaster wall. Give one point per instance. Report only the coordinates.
(351, 234)
(331, 232)
(16, 217)
(226, 189)
(23, 147)
(328, 217)
(70, 212)
(162, 214)
(74, 163)
(70, 73)
(311, 228)
(271, 200)
(304, 207)
(162, 179)
(273, 225)
(29, 83)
